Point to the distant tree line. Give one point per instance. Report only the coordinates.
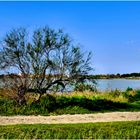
(111, 76)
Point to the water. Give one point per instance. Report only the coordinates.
(121, 84)
(111, 84)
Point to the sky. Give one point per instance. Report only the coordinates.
(111, 30)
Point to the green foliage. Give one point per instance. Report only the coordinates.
(137, 96)
(82, 87)
(132, 95)
(127, 95)
(94, 104)
(7, 106)
(46, 103)
(129, 89)
(72, 104)
(71, 110)
(110, 130)
(115, 93)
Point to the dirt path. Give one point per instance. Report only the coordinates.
(78, 118)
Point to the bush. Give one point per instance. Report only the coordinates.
(63, 101)
(129, 89)
(7, 106)
(46, 104)
(136, 97)
(115, 93)
(132, 95)
(129, 96)
(84, 87)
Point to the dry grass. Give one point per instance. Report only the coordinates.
(115, 96)
(98, 95)
(8, 93)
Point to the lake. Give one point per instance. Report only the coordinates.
(121, 84)
(112, 84)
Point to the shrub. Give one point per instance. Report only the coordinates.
(46, 103)
(129, 89)
(132, 95)
(83, 87)
(115, 93)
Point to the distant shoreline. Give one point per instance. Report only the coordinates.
(117, 78)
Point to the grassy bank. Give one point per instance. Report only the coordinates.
(73, 103)
(115, 130)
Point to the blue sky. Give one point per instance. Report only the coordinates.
(111, 30)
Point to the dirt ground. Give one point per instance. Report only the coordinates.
(77, 118)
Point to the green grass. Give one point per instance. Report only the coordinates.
(110, 130)
(64, 105)
(74, 103)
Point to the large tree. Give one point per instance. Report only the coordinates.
(46, 62)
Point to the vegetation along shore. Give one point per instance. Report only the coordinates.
(71, 103)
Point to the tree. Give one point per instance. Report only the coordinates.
(47, 62)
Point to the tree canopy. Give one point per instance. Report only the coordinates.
(46, 62)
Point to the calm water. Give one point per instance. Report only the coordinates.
(112, 84)
(121, 84)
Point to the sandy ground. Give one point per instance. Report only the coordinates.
(77, 118)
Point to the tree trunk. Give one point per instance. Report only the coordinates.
(21, 95)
